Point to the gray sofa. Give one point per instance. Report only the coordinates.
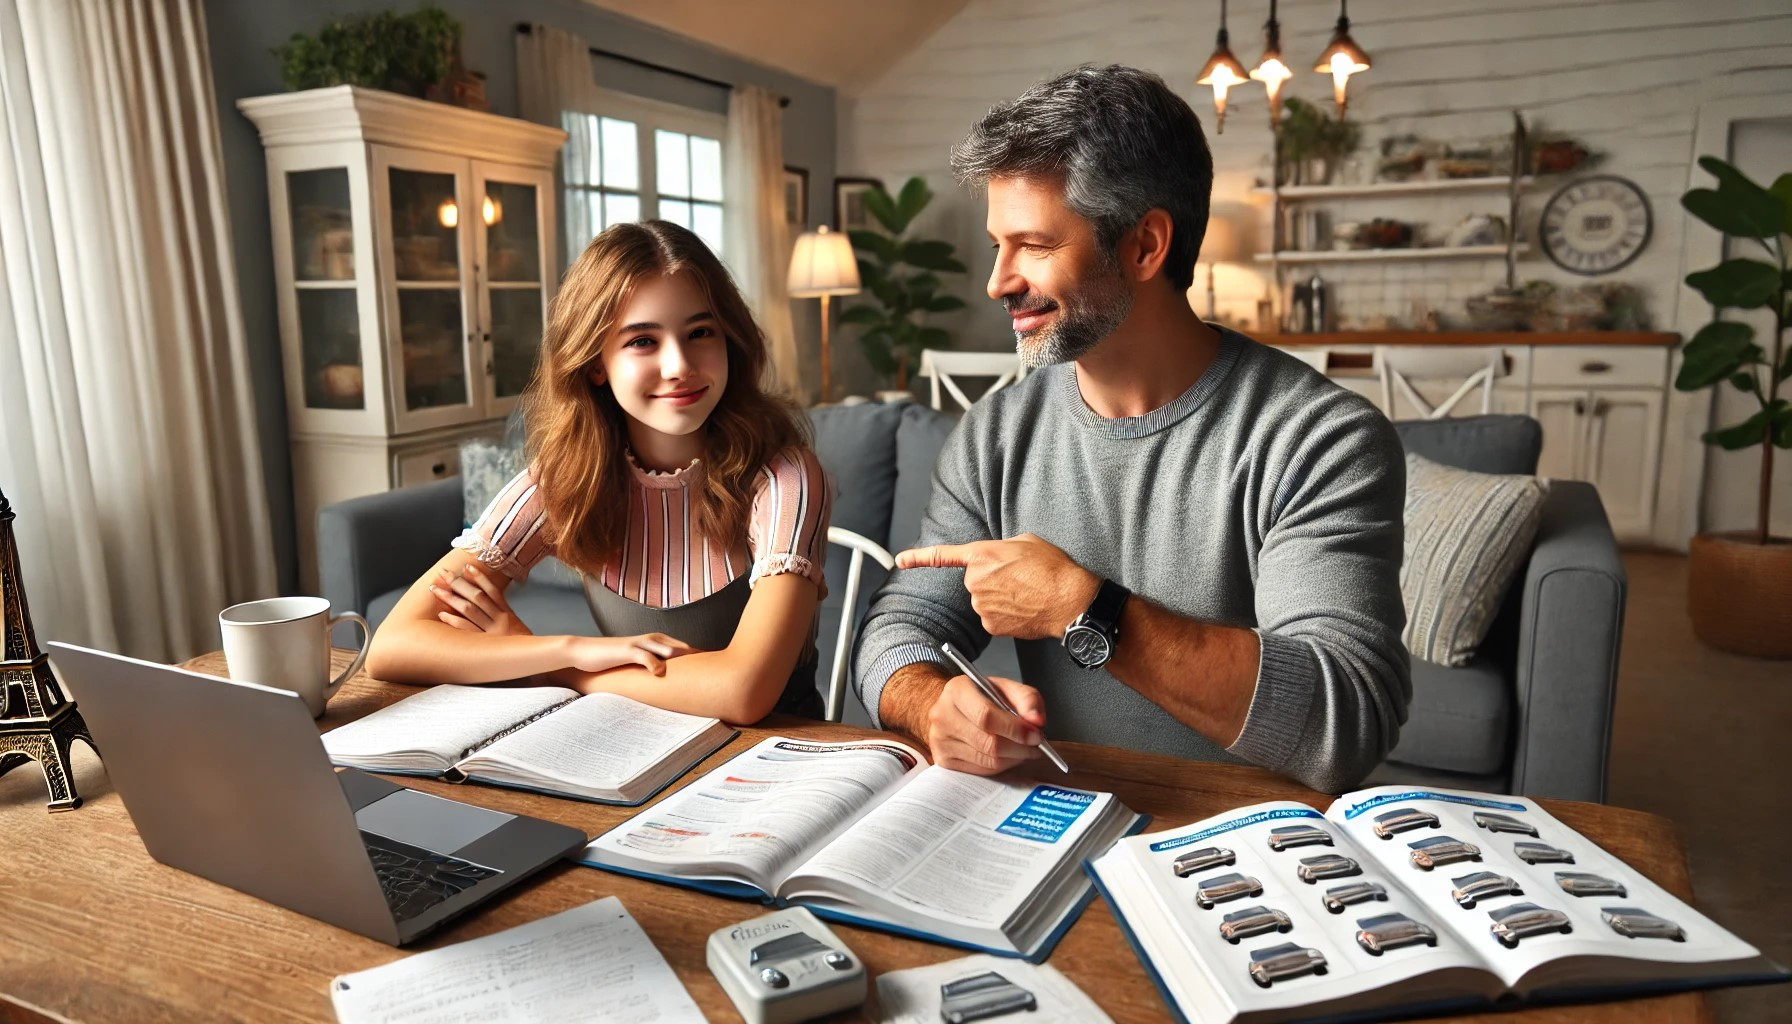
(1531, 714)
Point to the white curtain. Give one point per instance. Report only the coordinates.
(753, 219)
(553, 75)
(127, 429)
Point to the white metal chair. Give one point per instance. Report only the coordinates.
(940, 366)
(1400, 367)
(861, 546)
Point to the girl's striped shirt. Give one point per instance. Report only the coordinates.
(666, 561)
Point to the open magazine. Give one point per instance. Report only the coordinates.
(867, 832)
(600, 747)
(1398, 900)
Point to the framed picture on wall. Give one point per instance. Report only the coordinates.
(849, 203)
(796, 195)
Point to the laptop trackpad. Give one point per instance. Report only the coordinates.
(430, 822)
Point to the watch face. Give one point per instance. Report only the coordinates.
(1595, 225)
(1087, 646)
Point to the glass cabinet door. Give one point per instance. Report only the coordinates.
(516, 259)
(426, 212)
(321, 225)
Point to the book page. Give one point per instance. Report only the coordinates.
(441, 723)
(590, 963)
(761, 812)
(950, 845)
(601, 740)
(1499, 828)
(1239, 876)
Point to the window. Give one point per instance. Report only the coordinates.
(642, 159)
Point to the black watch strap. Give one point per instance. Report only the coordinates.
(1109, 602)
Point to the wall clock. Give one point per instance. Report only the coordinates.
(1595, 225)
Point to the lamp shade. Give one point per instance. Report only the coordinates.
(823, 264)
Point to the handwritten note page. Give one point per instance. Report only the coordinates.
(590, 963)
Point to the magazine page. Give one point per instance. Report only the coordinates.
(594, 746)
(1544, 906)
(966, 856)
(1270, 911)
(433, 728)
(762, 812)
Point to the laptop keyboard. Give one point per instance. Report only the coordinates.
(416, 879)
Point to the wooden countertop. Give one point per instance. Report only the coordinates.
(1657, 339)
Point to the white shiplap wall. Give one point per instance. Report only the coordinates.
(1627, 77)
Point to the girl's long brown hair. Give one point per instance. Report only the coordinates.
(577, 431)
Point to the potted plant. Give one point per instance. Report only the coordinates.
(901, 273)
(1738, 582)
(1311, 143)
(402, 53)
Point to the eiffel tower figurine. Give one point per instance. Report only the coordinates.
(38, 722)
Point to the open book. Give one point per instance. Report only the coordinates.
(1402, 901)
(868, 833)
(599, 747)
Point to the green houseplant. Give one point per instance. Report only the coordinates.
(901, 273)
(1307, 134)
(1737, 583)
(403, 53)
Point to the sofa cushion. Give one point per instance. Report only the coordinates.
(1485, 444)
(857, 446)
(920, 437)
(1460, 719)
(1467, 535)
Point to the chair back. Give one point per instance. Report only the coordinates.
(861, 547)
(1470, 368)
(1318, 358)
(941, 366)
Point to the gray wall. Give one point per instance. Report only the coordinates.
(241, 35)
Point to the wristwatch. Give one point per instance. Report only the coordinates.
(1091, 636)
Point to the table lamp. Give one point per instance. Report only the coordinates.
(1223, 243)
(821, 267)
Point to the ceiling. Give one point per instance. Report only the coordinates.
(843, 43)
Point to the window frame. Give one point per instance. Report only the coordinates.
(647, 115)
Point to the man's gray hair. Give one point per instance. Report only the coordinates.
(1120, 142)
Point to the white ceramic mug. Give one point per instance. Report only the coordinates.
(284, 642)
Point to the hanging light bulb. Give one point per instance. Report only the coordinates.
(448, 214)
(1222, 71)
(493, 211)
(1343, 57)
(1270, 70)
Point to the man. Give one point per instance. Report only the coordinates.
(1194, 539)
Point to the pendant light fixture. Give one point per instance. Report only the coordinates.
(1343, 57)
(1271, 71)
(1222, 71)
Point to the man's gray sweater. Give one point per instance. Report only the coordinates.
(1265, 497)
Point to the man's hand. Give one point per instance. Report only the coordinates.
(962, 729)
(1026, 587)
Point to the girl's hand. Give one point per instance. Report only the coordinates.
(651, 651)
(476, 604)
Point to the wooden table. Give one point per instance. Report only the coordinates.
(92, 929)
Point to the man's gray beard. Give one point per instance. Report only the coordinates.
(1081, 325)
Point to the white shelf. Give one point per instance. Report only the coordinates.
(1291, 193)
(1377, 255)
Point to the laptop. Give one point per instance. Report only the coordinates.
(229, 781)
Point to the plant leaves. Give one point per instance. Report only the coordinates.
(933, 337)
(1733, 216)
(867, 315)
(920, 286)
(913, 198)
(1744, 382)
(1755, 210)
(879, 245)
(1746, 434)
(944, 304)
(1782, 424)
(881, 206)
(1717, 351)
(1738, 283)
(1782, 190)
(1785, 370)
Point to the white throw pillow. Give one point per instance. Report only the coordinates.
(1467, 534)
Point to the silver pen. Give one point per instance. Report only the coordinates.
(996, 698)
